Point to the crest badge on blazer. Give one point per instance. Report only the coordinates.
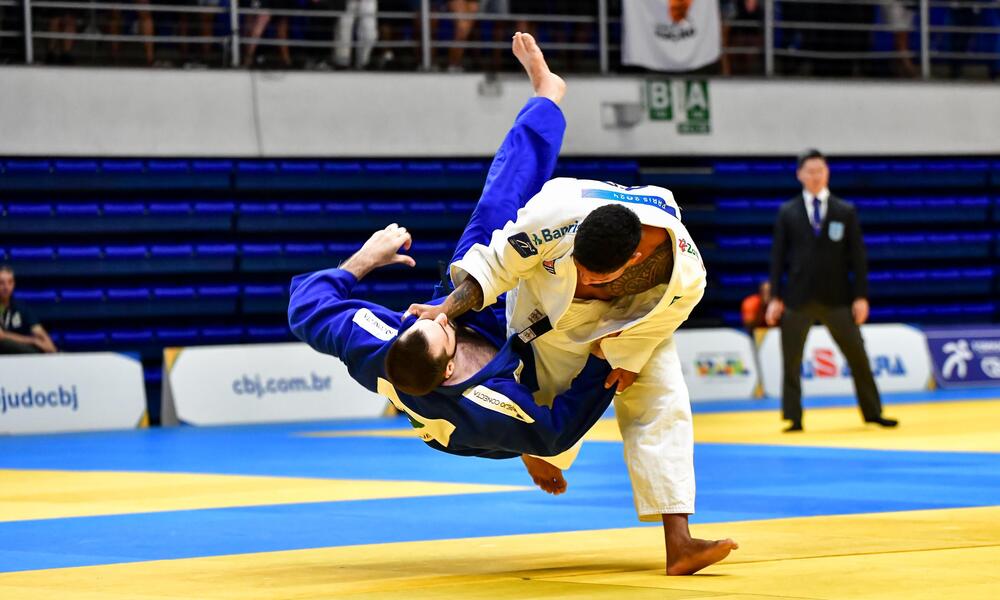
(836, 231)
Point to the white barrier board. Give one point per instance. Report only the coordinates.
(898, 356)
(50, 393)
(261, 383)
(718, 364)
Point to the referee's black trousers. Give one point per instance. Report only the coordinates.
(838, 319)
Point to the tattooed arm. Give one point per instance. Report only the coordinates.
(468, 295)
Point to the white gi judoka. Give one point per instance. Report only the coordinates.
(532, 260)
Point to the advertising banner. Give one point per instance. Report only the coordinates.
(262, 383)
(898, 356)
(54, 393)
(718, 364)
(671, 35)
(965, 357)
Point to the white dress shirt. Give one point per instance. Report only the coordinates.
(824, 201)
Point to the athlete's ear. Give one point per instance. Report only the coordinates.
(449, 369)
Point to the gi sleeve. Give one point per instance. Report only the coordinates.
(322, 314)
(779, 247)
(514, 251)
(505, 417)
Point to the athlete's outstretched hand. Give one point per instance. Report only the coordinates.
(381, 249)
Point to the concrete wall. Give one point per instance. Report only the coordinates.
(126, 112)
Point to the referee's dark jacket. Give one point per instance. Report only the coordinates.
(819, 266)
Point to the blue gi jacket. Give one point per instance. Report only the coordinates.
(492, 415)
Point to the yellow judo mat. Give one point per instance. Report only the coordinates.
(306, 511)
(907, 555)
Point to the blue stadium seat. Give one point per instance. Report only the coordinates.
(342, 167)
(27, 166)
(123, 209)
(216, 250)
(214, 208)
(132, 336)
(130, 252)
(78, 210)
(256, 167)
(78, 253)
(424, 169)
(85, 296)
(171, 251)
(136, 294)
(168, 167)
(261, 250)
(302, 208)
(344, 208)
(174, 293)
(75, 167)
(218, 291)
(29, 210)
(37, 297)
(222, 335)
(41, 253)
(169, 208)
(466, 167)
(384, 168)
(173, 336)
(268, 334)
(300, 167)
(255, 208)
(304, 250)
(265, 290)
(129, 167)
(212, 166)
(387, 208)
(83, 340)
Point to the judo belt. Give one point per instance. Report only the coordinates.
(539, 327)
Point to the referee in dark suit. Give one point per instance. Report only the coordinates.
(818, 237)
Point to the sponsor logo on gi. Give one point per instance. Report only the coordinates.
(34, 398)
(497, 402)
(823, 365)
(721, 366)
(550, 266)
(836, 231)
(522, 244)
(547, 234)
(687, 247)
(367, 320)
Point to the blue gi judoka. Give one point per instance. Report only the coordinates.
(492, 414)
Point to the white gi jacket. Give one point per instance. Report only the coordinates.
(535, 254)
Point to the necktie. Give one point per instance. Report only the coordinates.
(817, 219)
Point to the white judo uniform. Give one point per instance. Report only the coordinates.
(532, 260)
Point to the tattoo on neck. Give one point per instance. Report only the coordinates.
(646, 275)
(467, 295)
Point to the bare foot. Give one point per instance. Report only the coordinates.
(694, 555)
(546, 83)
(545, 476)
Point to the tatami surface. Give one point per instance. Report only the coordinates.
(363, 510)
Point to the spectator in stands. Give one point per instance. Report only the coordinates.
(754, 306)
(61, 22)
(748, 34)
(463, 28)
(20, 332)
(364, 13)
(819, 237)
(900, 18)
(256, 25)
(145, 26)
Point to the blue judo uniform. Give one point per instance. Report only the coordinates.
(492, 414)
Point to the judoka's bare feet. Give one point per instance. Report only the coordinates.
(545, 476)
(687, 555)
(546, 83)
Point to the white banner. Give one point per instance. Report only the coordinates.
(50, 393)
(262, 383)
(671, 35)
(898, 356)
(718, 364)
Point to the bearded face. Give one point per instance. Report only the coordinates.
(678, 9)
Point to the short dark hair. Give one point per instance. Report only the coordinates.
(7, 269)
(410, 366)
(607, 238)
(809, 154)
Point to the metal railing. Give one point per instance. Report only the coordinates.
(908, 38)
